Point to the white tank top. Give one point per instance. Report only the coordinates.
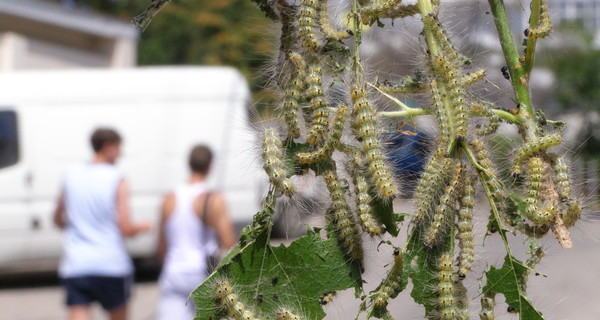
(93, 244)
(188, 240)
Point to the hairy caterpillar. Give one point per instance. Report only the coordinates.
(544, 25)
(431, 21)
(537, 254)
(406, 85)
(326, 298)
(445, 209)
(460, 109)
(534, 189)
(462, 301)
(374, 10)
(561, 174)
(465, 230)
(326, 27)
(344, 220)
(401, 12)
(489, 176)
(273, 164)
(365, 214)
(431, 180)
(286, 314)
(472, 78)
(445, 120)
(292, 95)
(332, 142)
(573, 213)
(228, 300)
(487, 306)
(534, 146)
(306, 20)
(365, 119)
(446, 298)
(390, 286)
(483, 110)
(320, 115)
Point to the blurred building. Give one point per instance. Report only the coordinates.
(45, 35)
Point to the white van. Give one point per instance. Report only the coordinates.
(47, 117)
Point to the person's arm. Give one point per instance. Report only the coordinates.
(59, 219)
(127, 227)
(218, 219)
(166, 209)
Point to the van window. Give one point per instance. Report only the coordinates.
(9, 140)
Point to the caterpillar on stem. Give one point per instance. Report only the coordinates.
(544, 25)
(273, 163)
(229, 302)
(465, 230)
(364, 115)
(390, 286)
(472, 78)
(406, 85)
(431, 22)
(446, 298)
(461, 116)
(444, 116)
(320, 115)
(306, 20)
(292, 95)
(333, 140)
(401, 12)
(483, 110)
(327, 28)
(433, 177)
(490, 179)
(374, 10)
(445, 209)
(534, 146)
(343, 218)
(561, 175)
(365, 212)
(534, 189)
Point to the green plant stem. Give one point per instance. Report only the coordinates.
(534, 20)
(411, 112)
(357, 28)
(518, 75)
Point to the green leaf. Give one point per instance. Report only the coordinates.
(384, 212)
(294, 276)
(506, 280)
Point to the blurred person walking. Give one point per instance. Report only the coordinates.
(194, 223)
(93, 211)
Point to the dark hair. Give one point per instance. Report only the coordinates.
(102, 136)
(200, 159)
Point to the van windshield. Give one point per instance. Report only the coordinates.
(9, 142)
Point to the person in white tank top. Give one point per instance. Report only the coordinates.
(93, 212)
(194, 223)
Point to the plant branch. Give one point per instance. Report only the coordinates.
(534, 20)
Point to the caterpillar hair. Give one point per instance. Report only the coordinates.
(320, 115)
(344, 221)
(573, 213)
(365, 212)
(306, 21)
(390, 286)
(444, 116)
(534, 146)
(273, 163)
(228, 301)
(327, 28)
(490, 179)
(365, 119)
(465, 230)
(534, 189)
(472, 78)
(561, 175)
(406, 85)
(292, 95)
(375, 9)
(445, 209)
(461, 116)
(401, 12)
(544, 25)
(446, 298)
(333, 140)
(433, 177)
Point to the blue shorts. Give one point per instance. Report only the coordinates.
(111, 292)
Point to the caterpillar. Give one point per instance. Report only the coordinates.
(326, 298)
(390, 286)
(573, 213)
(401, 12)
(487, 306)
(326, 27)
(292, 95)
(443, 67)
(460, 109)
(333, 140)
(494, 120)
(445, 209)
(462, 300)
(431, 21)
(446, 298)
(306, 21)
(445, 120)
(374, 10)
(286, 314)
(544, 24)
(534, 146)
(537, 254)
(343, 219)
(465, 230)
(534, 189)
(320, 115)
(561, 175)
(228, 300)
(431, 180)
(406, 85)
(490, 178)
(472, 78)
(273, 163)
(365, 213)
(365, 119)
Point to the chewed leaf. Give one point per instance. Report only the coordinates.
(506, 280)
(294, 276)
